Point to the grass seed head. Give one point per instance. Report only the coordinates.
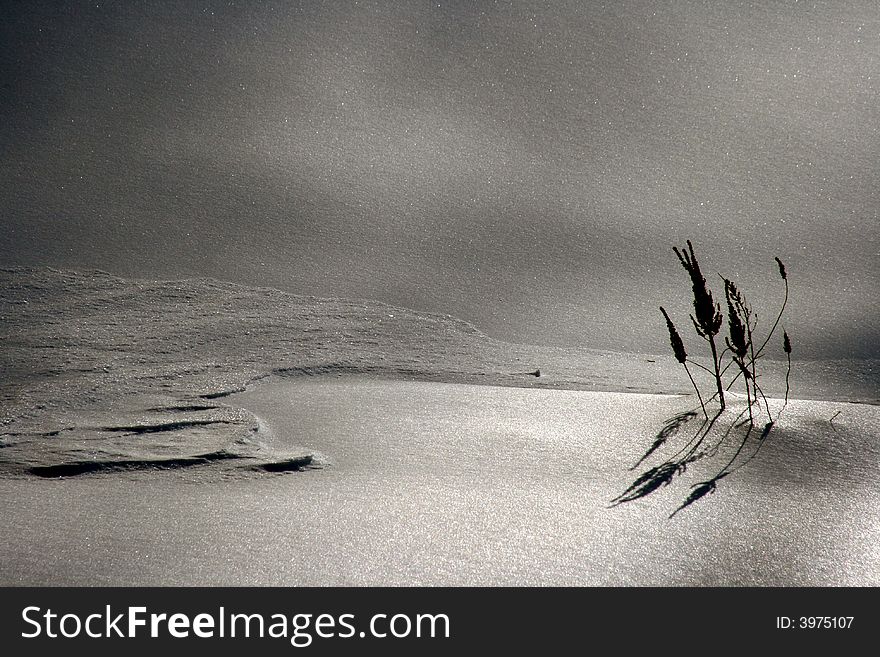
(736, 319)
(674, 339)
(781, 269)
(707, 315)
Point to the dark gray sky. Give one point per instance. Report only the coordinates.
(526, 166)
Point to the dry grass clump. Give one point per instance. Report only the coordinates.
(739, 359)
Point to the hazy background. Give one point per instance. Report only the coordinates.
(525, 166)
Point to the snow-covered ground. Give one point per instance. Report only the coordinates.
(430, 483)
(126, 457)
(100, 372)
